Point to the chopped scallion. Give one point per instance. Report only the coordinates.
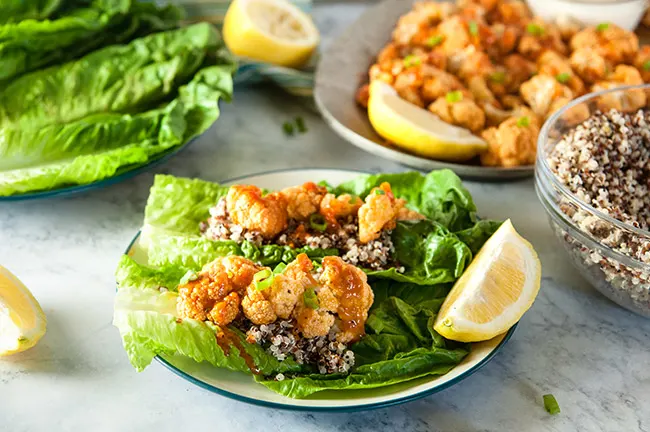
(318, 222)
(263, 279)
(523, 121)
(535, 29)
(287, 128)
(300, 125)
(473, 28)
(279, 268)
(434, 41)
(411, 60)
(310, 298)
(551, 405)
(498, 77)
(646, 66)
(602, 27)
(563, 78)
(454, 96)
(379, 192)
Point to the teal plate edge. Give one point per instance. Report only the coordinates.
(354, 408)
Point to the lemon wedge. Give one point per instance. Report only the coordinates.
(497, 288)
(418, 130)
(22, 321)
(272, 31)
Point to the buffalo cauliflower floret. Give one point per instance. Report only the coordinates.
(438, 83)
(518, 70)
(539, 37)
(642, 62)
(303, 201)
(556, 65)
(424, 15)
(379, 212)
(464, 113)
(626, 101)
(513, 143)
(313, 322)
(248, 208)
(334, 207)
(589, 64)
(257, 308)
(615, 44)
(541, 91)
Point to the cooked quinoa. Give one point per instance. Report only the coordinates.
(375, 255)
(281, 340)
(605, 162)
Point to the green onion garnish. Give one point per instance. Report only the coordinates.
(279, 268)
(551, 405)
(189, 276)
(379, 192)
(563, 77)
(434, 41)
(473, 28)
(318, 222)
(646, 66)
(411, 60)
(263, 279)
(535, 29)
(287, 128)
(454, 96)
(523, 121)
(602, 27)
(498, 77)
(300, 125)
(310, 298)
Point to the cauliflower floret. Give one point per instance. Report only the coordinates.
(214, 293)
(541, 91)
(408, 214)
(257, 308)
(502, 40)
(610, 41)
(576, 115)
(303, 201)
(518, 70)
(464, 113)
(481, 92)
(589, 64)
(313, 322)
(513, 143)
(539, 37)
(287, 288)
(438, 83)
(455, 33)
(627, 101)
(248, 208)
(408, 84)
(488, 5)
(349, 285)
(469, 62)
(555, 65)
(642, 62)
(511, 13)
(568, 26)
(378, 213)
(423, 16)
(334, 207)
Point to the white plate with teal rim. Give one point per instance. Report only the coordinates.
(242, 387)
(343, 67)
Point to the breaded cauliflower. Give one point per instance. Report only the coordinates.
(627, 101)
(303, 201)
(519, 70)
(642, 62)
(334, 207)
(313, 322)
(513, 143)
(541, 91)
(511, 12)
(589, 64)
(481, 92)
(469, 62)
(248, 208)
(257, 308)
(438, 83)
(378, 213)
(464, 113)
(615, 44)
(556, 65)
(424, 15)
(215, 293)
(539, 37)
(349, 285)
(455, 35)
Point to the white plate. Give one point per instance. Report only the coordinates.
(344, 66)
(242, 387)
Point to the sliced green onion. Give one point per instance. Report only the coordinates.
(287, 128)
(310, 298)
(300, 125)
(563, 77)
(523, 121)
(411, 60)
(535, 29)
(189, 276)
(602, 27)
(434, 41)
(379, 192)
(551, 405)
(454, 96)
(279, 268)
(646, 66)
(263, 279)
(498, 77)
(318, 222)
(473, 28)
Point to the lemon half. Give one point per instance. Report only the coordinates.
(497, 288)
(418, 130)
(22, 321)
(272, 31)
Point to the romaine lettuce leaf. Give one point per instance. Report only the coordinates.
(12, 11)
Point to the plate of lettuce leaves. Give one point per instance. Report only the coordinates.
(309, 289)
(94, 92)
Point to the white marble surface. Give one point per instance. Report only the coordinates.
(593, 356)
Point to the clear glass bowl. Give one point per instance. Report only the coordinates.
(591, 237)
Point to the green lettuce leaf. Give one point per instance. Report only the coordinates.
(149, 326)
(12, 11)
(400, 344)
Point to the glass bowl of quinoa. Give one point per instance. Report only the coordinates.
(593, 179)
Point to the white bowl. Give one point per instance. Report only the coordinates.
(623, 13)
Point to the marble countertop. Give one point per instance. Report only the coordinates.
(592, 355)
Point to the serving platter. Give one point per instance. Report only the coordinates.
(242, 387)
(342, 68)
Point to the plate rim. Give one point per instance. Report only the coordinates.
(348, 408)
(395, 155)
